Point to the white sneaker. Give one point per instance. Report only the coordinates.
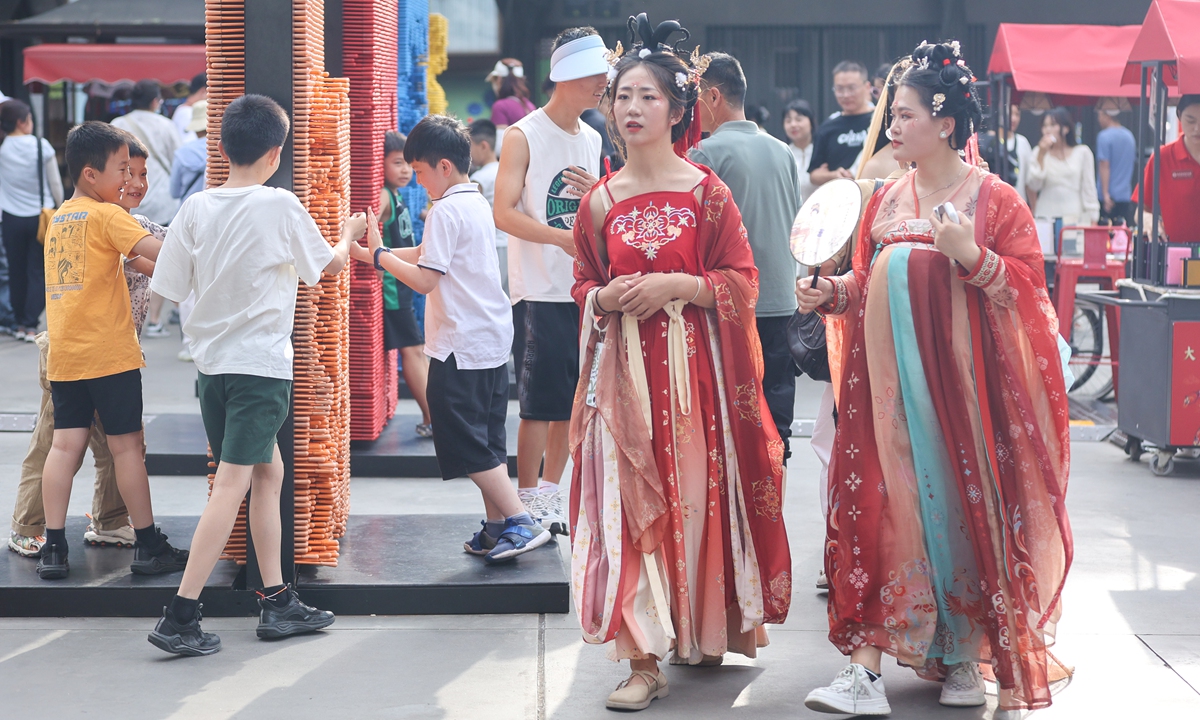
(184, 355)
(1008, 714)
(534, 503)
(822, 581)
(555, 517)
(852, 692)
(963, 686)
(152, 330)
(121, 537)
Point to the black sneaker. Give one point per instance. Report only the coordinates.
(294, 618)
(53, 564)
(163, 559)
(186, 639)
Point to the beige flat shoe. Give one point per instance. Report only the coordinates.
(628, 696)
(705, 661)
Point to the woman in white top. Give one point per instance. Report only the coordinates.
(22, 204)
(1063, 174)
(799, 124)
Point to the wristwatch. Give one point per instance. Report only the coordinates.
(377, 251)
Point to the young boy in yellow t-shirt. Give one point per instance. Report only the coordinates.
(95, 366)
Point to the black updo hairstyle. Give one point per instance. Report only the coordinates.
(664, 62)
(946, 85)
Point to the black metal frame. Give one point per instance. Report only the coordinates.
(269, 67)
(1149, 253)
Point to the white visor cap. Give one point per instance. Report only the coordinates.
(580, 58)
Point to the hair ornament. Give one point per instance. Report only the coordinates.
(964, 80)
(614, 56)
(938, 100)
(698, 65)
(645, 53)
(681, 79)
(923, 63)
(956, 48)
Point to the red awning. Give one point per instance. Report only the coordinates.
(168, 64)
(1170, 33)
(1074, 64)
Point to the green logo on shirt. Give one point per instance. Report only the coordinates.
(560, 205)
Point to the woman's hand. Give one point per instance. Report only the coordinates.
(1047, 142)
(956, 240)
(608, 300)
(810, 298)
(579, 181)
(649, 293)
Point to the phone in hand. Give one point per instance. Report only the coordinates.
(946, 211)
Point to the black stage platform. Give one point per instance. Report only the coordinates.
(175, 445)
(389, 565)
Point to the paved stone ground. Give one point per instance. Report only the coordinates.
(1131, 625)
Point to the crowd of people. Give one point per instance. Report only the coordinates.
(645, 308)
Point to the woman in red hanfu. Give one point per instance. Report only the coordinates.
(948, 541)
(678, 541)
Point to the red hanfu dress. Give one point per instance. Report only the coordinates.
(677, 539)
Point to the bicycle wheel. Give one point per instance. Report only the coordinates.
(1087, 343)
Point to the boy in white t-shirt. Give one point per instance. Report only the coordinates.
(468, 331)
(486, 164)
(240, 248)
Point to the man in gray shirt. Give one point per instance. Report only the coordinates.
(761, 175)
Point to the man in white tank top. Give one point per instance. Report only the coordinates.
(550, 159)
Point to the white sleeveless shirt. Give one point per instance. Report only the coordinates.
(536, 271)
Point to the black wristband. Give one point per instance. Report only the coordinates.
(380, 250)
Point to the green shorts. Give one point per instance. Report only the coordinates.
(242, 415)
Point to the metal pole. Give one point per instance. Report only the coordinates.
(269, 67)
(1159, 131)
(1139, 244)
(1003, 131)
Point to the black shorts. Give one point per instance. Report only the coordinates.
(117, 399)
(468, 409)
(546, 353)
(400, 329)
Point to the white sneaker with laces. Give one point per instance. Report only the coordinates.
(963, 686)
(852, 692)
(554, 519)
(534, 503)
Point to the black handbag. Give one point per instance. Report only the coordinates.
(806, 341)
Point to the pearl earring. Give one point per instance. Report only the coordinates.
(942, 135)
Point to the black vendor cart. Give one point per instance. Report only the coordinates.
(1158, 408)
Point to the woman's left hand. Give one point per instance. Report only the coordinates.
(649, 293)
(579, 181)
(956, 240)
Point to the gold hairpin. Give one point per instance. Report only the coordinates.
(614, 55)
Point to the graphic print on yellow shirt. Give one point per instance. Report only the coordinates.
(87, 301)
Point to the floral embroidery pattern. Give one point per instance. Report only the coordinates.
(746, 401)
(714, 204)
(652, 228)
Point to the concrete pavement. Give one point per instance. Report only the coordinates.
(1131, 624)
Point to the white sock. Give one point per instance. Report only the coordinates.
(547, 487)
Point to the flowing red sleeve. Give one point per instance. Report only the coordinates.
(729, 265)
(590, 272)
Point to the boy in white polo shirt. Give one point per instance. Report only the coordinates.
(552, 160)
(241, 248)
(468, 331)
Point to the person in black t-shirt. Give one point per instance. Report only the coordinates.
(840, 139)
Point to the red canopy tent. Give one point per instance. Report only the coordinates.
(50, 63)
(1073, 64)
(1170, 34)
